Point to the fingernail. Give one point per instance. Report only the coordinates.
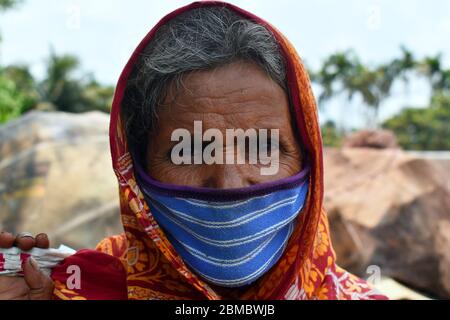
(33, 263)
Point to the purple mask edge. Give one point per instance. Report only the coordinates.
(212, 194)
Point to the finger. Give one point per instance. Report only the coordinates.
(6, 240)
(13, 288)
(42, 241)
(25, 241)
(41, 286)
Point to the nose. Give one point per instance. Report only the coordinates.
(226, 176)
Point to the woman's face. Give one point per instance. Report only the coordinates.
(235, 96)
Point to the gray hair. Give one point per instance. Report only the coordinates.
(200, 39)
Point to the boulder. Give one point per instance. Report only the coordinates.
(377, 139)
(56, 177)
(396, 211)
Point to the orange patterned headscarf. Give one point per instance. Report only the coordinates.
(152, 267)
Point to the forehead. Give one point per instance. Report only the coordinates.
(239, 88)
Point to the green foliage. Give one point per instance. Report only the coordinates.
(343, 72)
(439, 79)
(12, 101)
(331, 136)
(424, 128)
(60, 90)
(6, 4)
(17, 93)
(98, 97)
(25, 83)
(66, 92)
(420, 129)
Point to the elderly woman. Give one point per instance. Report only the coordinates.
(198, 226)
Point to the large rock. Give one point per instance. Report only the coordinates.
(56, 177)
(391, 209)
(377, 139)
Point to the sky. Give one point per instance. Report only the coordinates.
(104, 33)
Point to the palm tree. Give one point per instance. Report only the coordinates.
(60, 90)
(64, 90)
(343, 72)
(439, 79)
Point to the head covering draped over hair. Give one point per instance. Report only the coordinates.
(142, 263)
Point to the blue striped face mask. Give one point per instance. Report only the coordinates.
(231, 237)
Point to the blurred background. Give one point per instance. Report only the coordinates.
(380, 71)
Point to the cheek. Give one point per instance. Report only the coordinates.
(290, 165)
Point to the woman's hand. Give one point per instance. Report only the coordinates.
(35, 285)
